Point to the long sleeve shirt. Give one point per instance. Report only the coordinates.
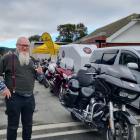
(2, 86)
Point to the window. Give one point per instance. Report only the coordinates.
(126, 58)
(109, 58)
(96, 56)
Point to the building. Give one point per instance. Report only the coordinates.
(123, 32)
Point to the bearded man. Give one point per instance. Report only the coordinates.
(19, 78)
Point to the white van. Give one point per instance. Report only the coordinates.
(78, 54)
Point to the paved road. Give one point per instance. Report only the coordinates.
(64, 131)
(48, 108)
(82, 136)
(51, 120)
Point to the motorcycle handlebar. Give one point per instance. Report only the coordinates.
(94, 73)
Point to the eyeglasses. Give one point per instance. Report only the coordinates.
(24, 45)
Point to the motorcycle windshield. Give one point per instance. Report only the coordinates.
(121, 83)
(122, 77)
(120, 72)
(137, 75)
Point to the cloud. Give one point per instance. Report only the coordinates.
(10, 43)
(30, 17)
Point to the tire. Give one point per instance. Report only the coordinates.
(73, 116)
(57, 90)
(61, 96)
(45, 83)
(123, 131)
(40, 81)
(51, 90)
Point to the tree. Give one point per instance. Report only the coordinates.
(4, 50)
(34, 38)
(80, 31)
(71, 32)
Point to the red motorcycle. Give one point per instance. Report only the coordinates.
(60, 83)
(50, 74)
(58, 75)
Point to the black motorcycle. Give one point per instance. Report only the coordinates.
(99, 100)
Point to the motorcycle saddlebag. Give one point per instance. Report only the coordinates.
(71, 98)
(72, 92)
(73, 85)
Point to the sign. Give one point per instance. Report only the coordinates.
(87, 50)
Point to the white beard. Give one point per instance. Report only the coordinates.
(24, 58)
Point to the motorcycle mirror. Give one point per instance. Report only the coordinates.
(132, 66)
(98, 71)
(87, 65)
(49, 59)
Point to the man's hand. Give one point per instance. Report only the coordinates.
(39, 70)
(6, 93)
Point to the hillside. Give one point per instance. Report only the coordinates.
(4, 50)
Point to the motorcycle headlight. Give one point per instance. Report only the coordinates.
(128, 95)
(132, 96)
(123, 94)
(65, 76)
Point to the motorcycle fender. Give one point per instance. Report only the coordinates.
(126, 116)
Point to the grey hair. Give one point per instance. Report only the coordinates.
(22, 38)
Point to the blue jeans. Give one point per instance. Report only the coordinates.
(16, 106)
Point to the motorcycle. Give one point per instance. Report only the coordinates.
(41, 77)
(61, 81)
(50, 73)
(99, 100)
(57, 76)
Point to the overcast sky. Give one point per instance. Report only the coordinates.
(30, 17)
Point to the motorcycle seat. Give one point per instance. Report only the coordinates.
(87, 91)
(84, 79)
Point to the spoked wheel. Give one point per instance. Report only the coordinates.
(123, 131)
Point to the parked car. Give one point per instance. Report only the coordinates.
(128, 56)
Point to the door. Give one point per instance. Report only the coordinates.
(129, 57)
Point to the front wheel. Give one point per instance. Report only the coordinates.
(123, 131)
(45, 83)
(73, 117)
